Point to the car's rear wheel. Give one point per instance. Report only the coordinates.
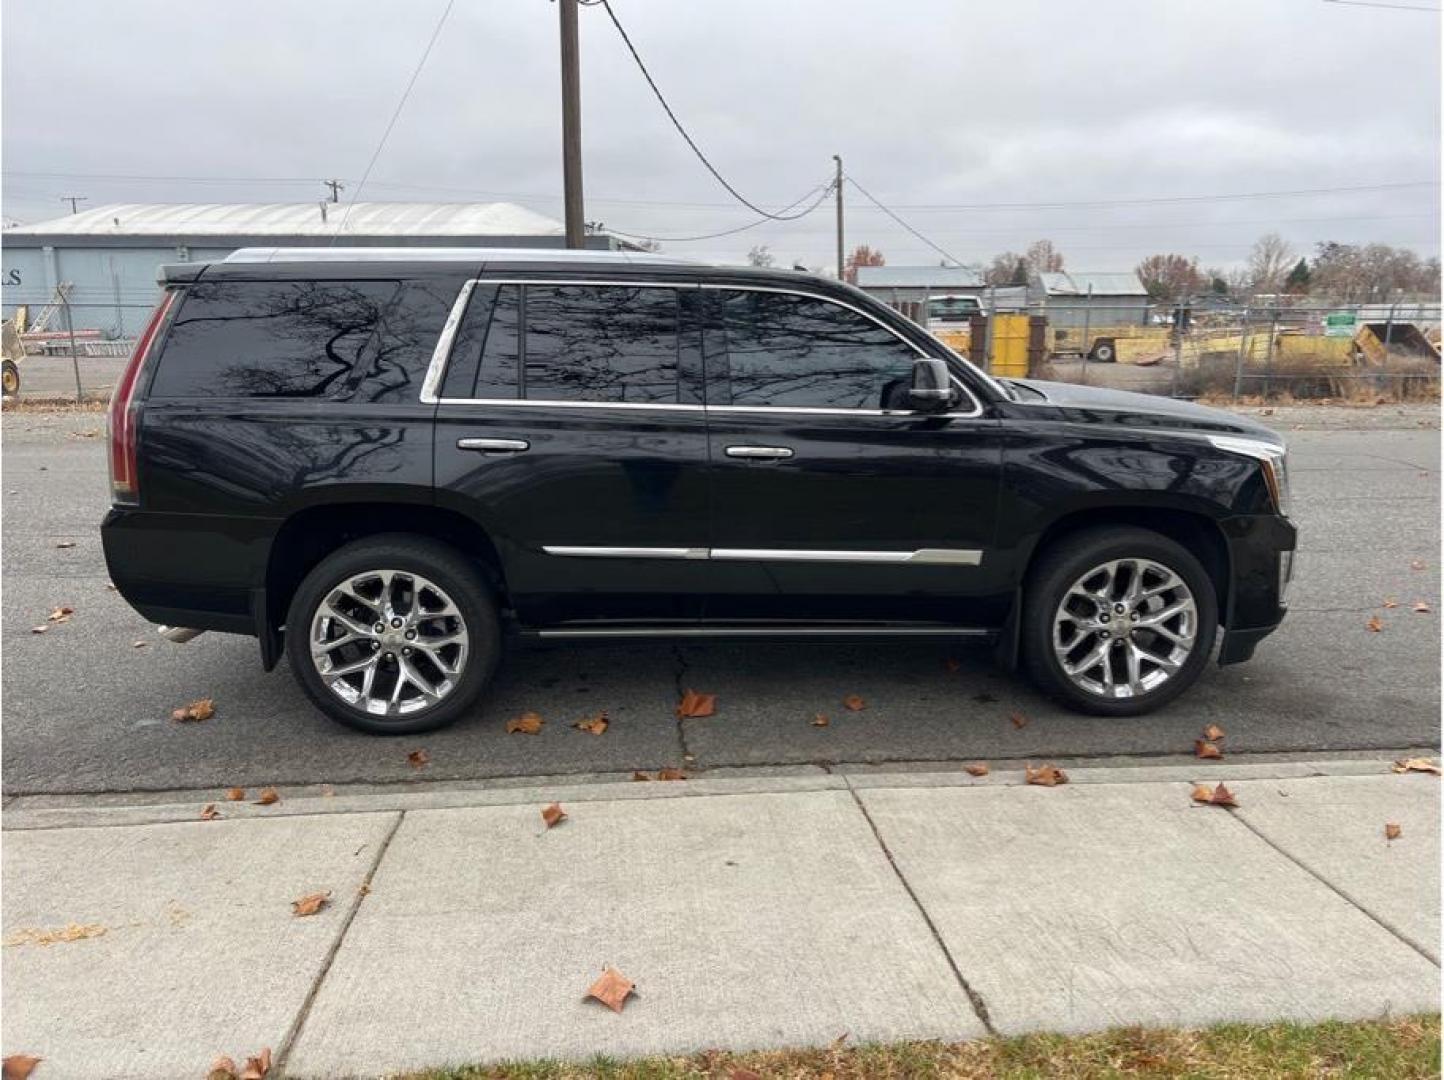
(1118, 621)
(393, 635)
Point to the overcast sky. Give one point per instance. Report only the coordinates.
(937, 106)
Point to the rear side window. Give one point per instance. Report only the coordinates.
(487, 350)
(612, 343)
(355, 341)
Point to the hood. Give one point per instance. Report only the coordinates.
(1100, 405)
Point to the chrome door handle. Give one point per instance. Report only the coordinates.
(494, 446)
(766, 452)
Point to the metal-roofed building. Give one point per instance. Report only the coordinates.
(1073, 298)
(108, 255)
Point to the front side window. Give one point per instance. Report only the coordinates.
(791, 351)
(605, 343)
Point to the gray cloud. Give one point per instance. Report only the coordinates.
(930, 103)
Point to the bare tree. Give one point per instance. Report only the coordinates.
(862, 255)
(1009, 268)
(1043, 258)
(1269, 263)
(760, 256)
(1169, 277)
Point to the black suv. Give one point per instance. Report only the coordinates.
(380, 461)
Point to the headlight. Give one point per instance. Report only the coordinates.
(1272, 456)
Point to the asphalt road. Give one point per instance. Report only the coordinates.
(85, 711)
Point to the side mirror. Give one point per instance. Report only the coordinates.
(932, 388)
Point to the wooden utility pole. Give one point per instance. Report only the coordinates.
(74, 201)
(571, 125)
(335, 186)
(837, 184)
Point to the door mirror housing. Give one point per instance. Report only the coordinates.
(932, 387)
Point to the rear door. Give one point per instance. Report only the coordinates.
(832, 499)
(570, 425)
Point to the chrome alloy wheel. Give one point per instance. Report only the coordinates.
(1125, 628)
(389, 642)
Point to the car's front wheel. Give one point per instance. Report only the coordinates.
(393, 635)
(1118, 621)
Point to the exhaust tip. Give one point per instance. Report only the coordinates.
(179, 634)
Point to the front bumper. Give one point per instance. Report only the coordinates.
(1261, 556)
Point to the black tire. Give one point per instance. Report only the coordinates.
(436, 562)
(1104, 351)
(1063, 563)
(10, 379)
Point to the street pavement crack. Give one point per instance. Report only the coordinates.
(680, 673)
(980, 1007)
(294, 1032)
(1306, 868)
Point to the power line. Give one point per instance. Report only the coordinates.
(1375, 4)
(606, 4)
(826, 191)
(416, 74)
(868, 195)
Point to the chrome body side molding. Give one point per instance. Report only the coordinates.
(922, 556)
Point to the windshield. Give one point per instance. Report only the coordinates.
(952, 308)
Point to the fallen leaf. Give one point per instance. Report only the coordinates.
(1205, 749)
(66, 544)
(72, 932)
(976, 769)
(1418, 564)
(671, 774)
(137, 644)
(640, 776)
(553, 815)
(594, 725)
(19, 1066)
(694, 705)
(310, 903)
(853, 703)
(200, 709)
(1213, 733)
(209, 812)
(820, 720)
(1222, 796)
(527, 724)
(1045, 775)
(40, 629)
(257, 1067)
(1421, 608)
(61, 614)
(1018, 720)
(223, 1068)
(1392, 830)
(268, 796)
(952, 663)
(235, 794)
(1202, 793)
(612, 989)
(1417, 764)
(1375, 624)
(417, 758)
(1391, 602)
(327, 791)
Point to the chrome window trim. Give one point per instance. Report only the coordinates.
(441, 356)
(921, 556)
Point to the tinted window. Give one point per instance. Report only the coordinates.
(601, 343)
(487, 346)
(800, 352)
(367, 341)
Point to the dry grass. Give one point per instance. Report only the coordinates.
(1402, 1049)
(55, 405)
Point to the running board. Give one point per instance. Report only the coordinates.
(757, 632)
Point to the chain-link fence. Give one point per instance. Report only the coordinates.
(68, 347)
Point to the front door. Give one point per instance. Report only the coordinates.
(571, 427)
(832, 499)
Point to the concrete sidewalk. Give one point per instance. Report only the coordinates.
(751, 912)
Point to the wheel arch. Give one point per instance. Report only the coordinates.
(312, 533)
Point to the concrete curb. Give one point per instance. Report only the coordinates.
(64, 812)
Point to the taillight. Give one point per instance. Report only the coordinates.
(121, 418)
